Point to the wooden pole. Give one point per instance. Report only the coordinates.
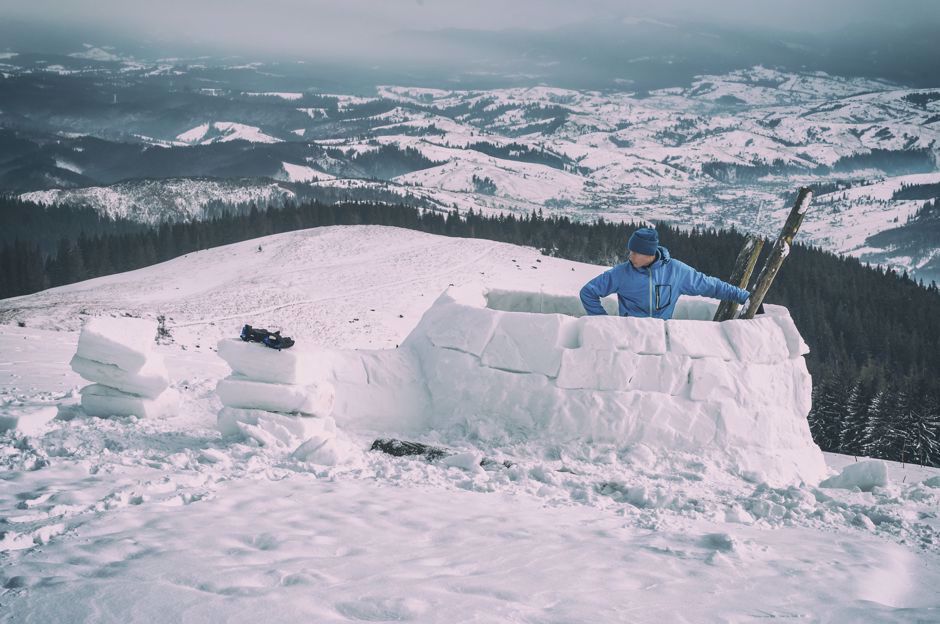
(779, 253)
(741, 275)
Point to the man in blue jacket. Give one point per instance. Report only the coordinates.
(650, 282)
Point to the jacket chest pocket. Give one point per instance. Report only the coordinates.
(662, 297)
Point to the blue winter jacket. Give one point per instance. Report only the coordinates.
(654, 290)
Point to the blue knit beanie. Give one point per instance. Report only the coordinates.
(644, 241)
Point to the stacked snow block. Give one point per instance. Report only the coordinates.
(508, 366)
(271, 397)
(129, 379)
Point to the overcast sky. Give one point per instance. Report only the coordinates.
(298, 25)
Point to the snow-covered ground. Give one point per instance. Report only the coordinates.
(120, 520)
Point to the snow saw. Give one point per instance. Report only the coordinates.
(273, 340)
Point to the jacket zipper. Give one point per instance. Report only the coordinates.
(651, 291)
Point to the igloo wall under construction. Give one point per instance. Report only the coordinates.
(509, 366)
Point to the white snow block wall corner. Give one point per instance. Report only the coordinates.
(284, 399)
(128, 378)
(506, 366)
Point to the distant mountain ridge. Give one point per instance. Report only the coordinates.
(723, 151)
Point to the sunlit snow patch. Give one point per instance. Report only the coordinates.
(223, 131)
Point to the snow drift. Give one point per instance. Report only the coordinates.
(509, 366)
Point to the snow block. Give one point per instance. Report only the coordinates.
(27, 419)
(122, 342)
(781, 316)
(148, 381)
(541, 302)
(667, 374)
(525, 343)
(390, 368)
(334, 365)
(698, 339)
(757, 340)
(695, 309)
(102, 401)
(712, 379)
(381, 408)
(463, 328)
(635, 334)
(865, 475)
(261, 363)
(599, 370)
(240, 392)
(272, 429)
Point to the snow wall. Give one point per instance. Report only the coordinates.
(508, 366)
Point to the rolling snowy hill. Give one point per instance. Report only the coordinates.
(162, 520)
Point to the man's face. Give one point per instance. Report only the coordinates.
(640, 261)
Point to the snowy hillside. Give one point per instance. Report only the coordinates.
(126, 519)
(222, 131)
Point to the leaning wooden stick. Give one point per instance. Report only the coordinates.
(741, 275)
(779, 253)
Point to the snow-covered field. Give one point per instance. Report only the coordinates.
(126, 520)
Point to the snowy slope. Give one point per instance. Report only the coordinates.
(122, 520)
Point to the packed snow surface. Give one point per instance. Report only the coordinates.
(170, 518)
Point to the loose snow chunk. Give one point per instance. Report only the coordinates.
(525, 343)
(469, 461)
(781, 316)
(864, 475)
(27, 419)
(122, 342)
(758, 340)
(256, 361)
(98, 400)
(271, 429)
(322, 450)
(148, 381)
(599, 370)
(698, 339)
(636, 334)
(463, 328)
(241, 392)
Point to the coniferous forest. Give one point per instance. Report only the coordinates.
(874, 334)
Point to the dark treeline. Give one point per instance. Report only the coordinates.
(917, 191)
(874, 333)
(520, 152)
(387, 161)
(46, 225)
(893, 162)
